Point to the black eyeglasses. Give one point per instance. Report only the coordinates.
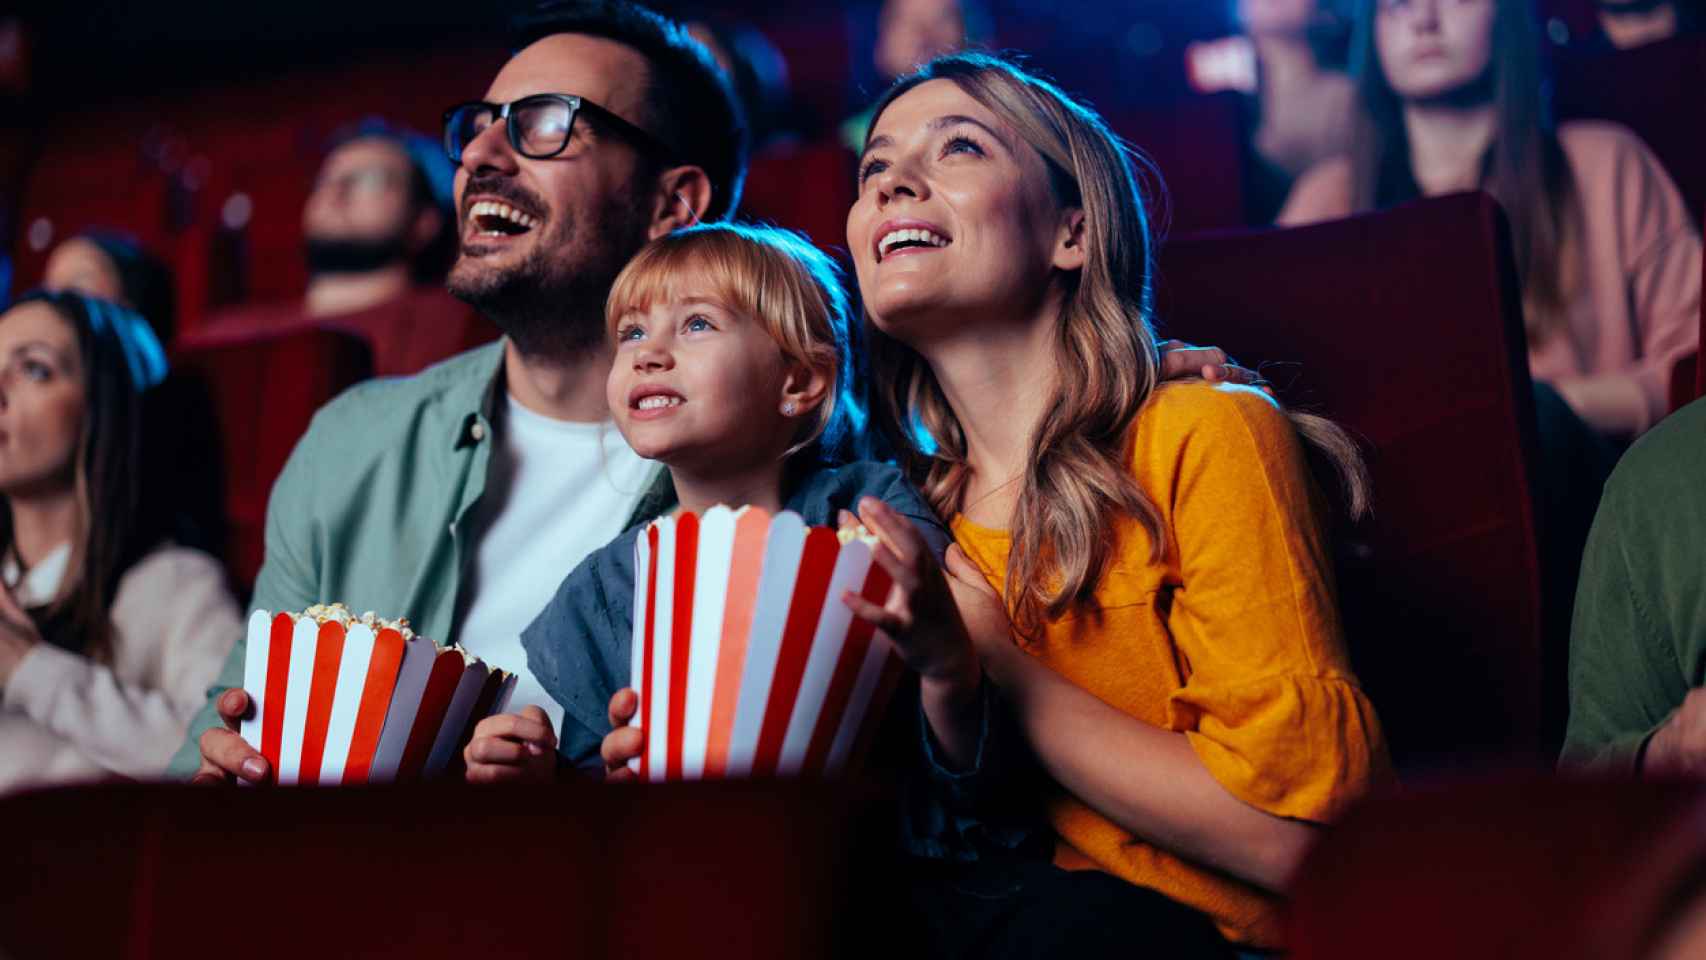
(539, 127)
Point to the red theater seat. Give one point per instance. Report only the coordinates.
(1519, 869)
(1405, 327)
(1197, 145)
(1653, 90)
(264, 392)
(760, 870)
(803, 187)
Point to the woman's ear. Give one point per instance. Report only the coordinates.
(803, 389)
(683, 196)
(1069, 251)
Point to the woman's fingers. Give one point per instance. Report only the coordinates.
(495, 750)
(882, 618)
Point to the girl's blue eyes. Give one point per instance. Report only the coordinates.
(694, 324)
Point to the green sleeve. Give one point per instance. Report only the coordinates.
(1624, 677)
(286, 582)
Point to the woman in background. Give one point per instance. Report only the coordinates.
(109, 634)
(1608, 257)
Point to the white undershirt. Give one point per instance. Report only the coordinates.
(555, 492)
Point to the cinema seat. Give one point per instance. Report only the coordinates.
(264, 390)
(806, 187)
(1405, 327)
(1653, 90)
(758, 870)
(1519, 868)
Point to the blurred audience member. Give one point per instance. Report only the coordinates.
(911, 33)
(379, 233)
(1638, 642)
(1608, 255)
(109, 632)
(1635, 23)
(111, 266)
(758, 74)
(1304, 99)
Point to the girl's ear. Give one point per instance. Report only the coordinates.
(1069, 252)
(682, 197)
(803, 389)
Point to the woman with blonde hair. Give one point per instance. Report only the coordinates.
(1142, 565)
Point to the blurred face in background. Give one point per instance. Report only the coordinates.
(1276, 18)
(361, 213)
(913, 32)
(1432, 49)
(80, 265)
(41, 401)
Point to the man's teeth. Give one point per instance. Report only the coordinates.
(658, 401)
(503, 211)
(896, 237)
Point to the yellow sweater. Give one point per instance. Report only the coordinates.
(1232, 638)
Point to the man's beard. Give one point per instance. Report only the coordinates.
(551, 304)
(355, 254)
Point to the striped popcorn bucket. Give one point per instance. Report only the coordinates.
(747, 662)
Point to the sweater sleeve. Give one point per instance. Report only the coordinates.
(1269, 702)
(1660, 257)
(175, 599)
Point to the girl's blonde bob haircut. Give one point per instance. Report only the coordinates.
(777, 278)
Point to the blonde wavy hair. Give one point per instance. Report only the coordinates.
(775, 276)
(1077, 482)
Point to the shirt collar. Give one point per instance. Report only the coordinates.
(39, 585)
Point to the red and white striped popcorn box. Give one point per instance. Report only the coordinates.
(337, 704)
(746, 659)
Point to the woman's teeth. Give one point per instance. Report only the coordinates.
(658, 401)
(493, 217)
(916, 238)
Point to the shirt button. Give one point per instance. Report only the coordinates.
(477, 431)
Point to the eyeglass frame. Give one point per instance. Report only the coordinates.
(645, 141)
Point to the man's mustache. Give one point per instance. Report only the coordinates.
(504, 189)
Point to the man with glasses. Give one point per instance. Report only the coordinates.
(461, 497)
(378, 235)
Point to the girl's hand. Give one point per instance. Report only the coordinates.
(919, 614)
(512, 748)
(624, 743)
(18, 635)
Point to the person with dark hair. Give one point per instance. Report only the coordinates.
(909, 34)
(1607, 254)
(758, 75)
(110, 266)
(109, 632)
(1303, 100)
(378, 235)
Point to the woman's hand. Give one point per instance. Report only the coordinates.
(512, 748)
(624, 743)
(18, 635)
(919, 615)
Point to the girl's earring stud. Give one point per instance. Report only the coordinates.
(788, 409)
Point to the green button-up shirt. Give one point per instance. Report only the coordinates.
(373, 507)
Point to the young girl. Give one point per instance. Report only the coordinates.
(731, 342)
(1142, 566)
(1607, 253)
(109, 634)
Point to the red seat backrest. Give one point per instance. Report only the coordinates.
(1405, 327)
(264, 391)
(661, 871)
(806, 187)
(1197, 145)
(1653, 90)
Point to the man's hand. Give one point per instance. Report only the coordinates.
(513, 748)
(623, 743)
(1180, 360)
(225, 757)
(1678, 748)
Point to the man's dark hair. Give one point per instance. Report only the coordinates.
(691, 106)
